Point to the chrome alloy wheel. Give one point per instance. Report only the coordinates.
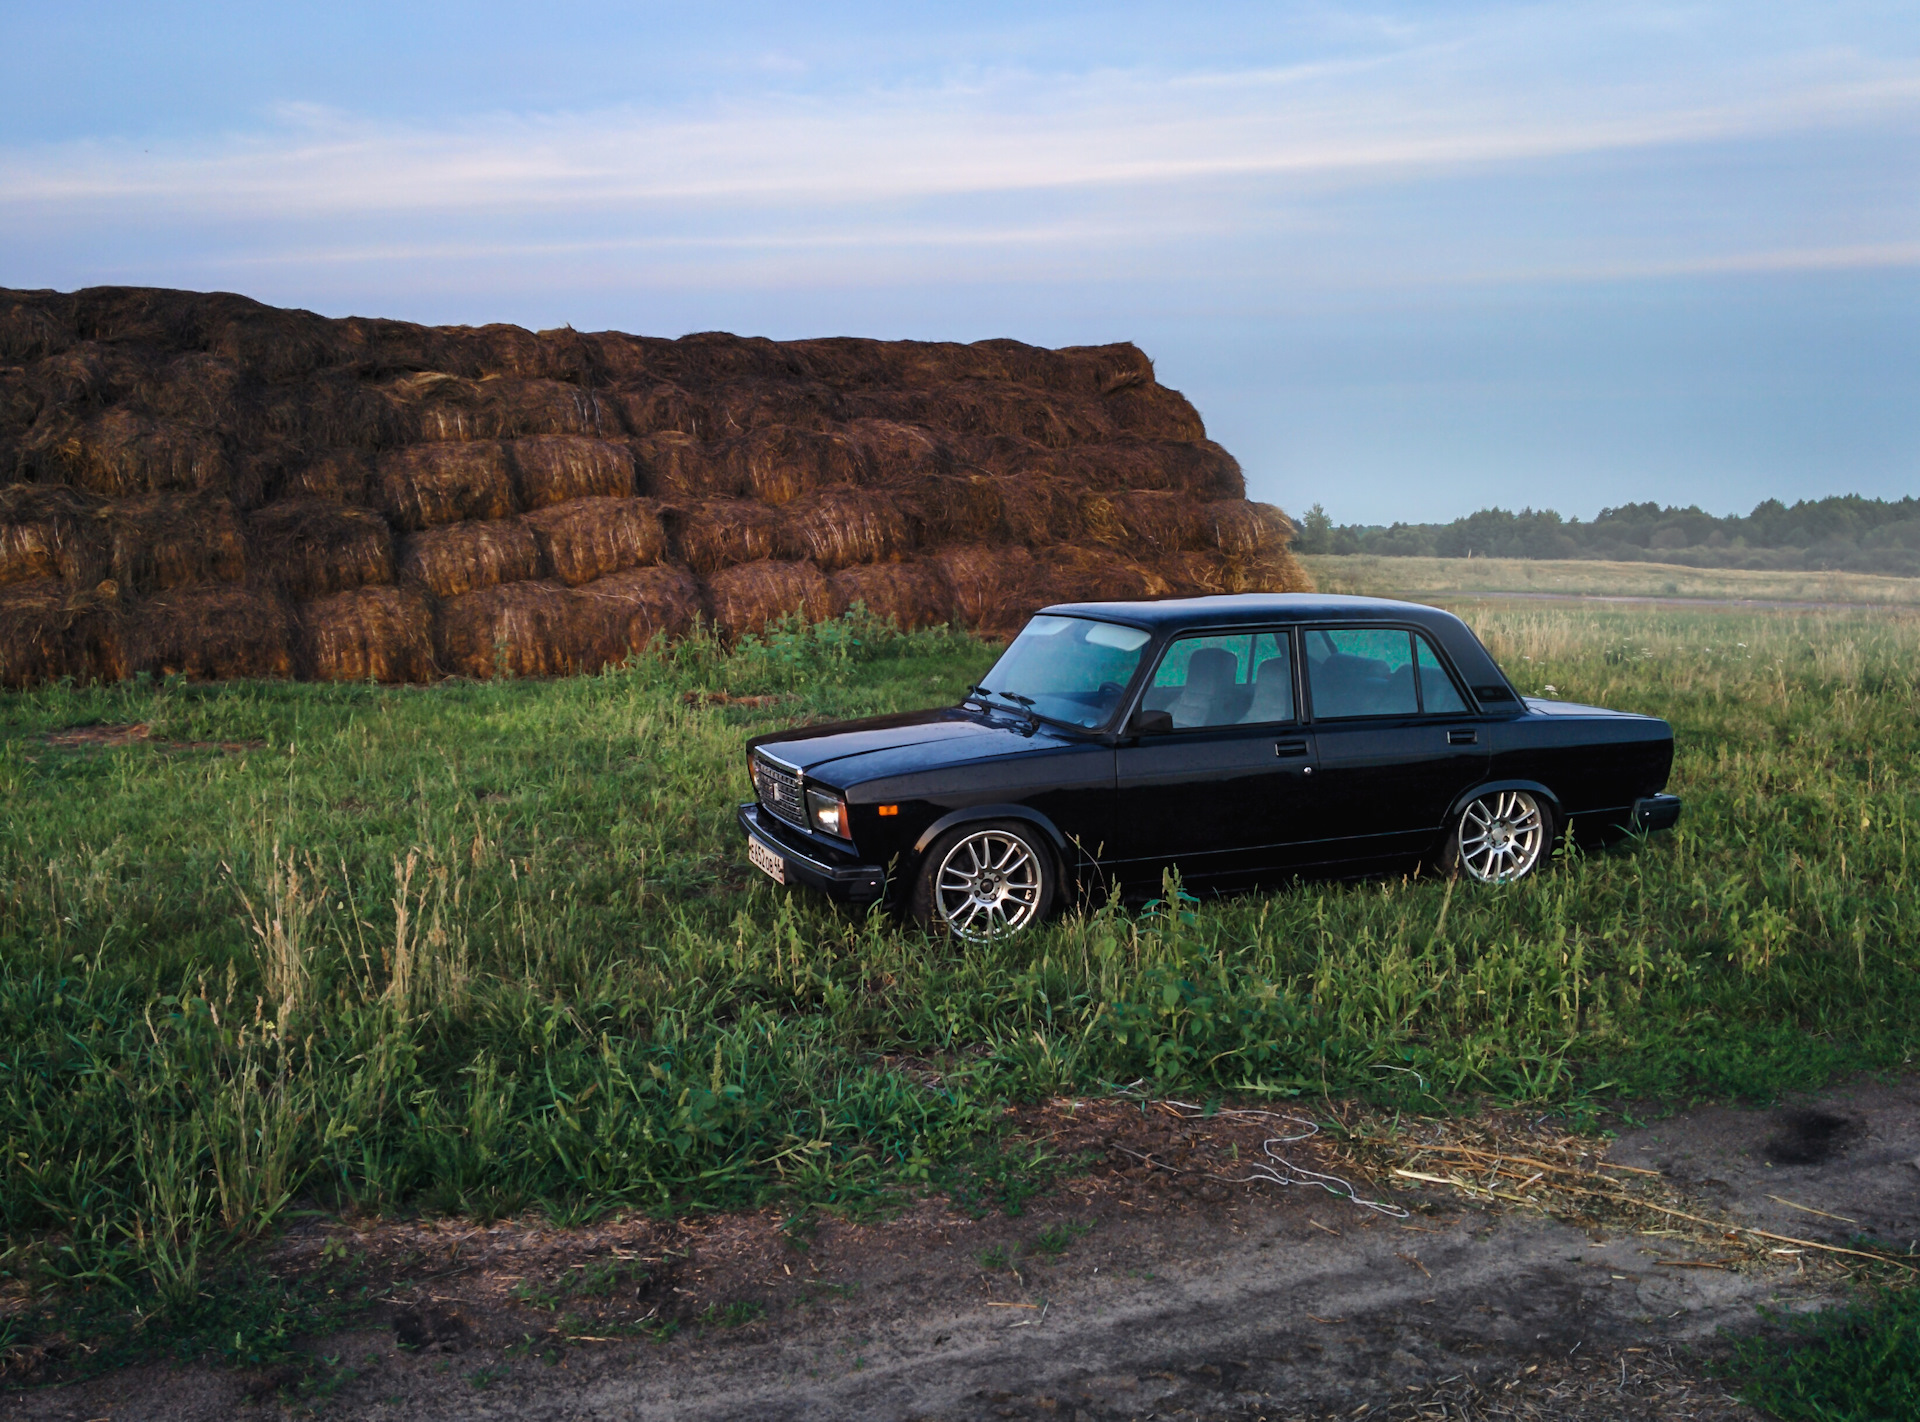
(1502, 836)
(988, 885)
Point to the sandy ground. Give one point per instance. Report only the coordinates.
(1157, 1293)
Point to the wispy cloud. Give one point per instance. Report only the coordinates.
(1407, 114)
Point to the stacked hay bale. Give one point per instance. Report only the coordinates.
(200, 484)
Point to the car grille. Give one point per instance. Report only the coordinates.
(779, 790)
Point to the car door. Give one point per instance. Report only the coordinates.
(1397, 741)
(1220, 793)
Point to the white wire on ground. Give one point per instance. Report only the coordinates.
(1281, 1172)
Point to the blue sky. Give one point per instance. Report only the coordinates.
(1407, 261)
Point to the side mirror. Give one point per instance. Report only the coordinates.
(1149, 723)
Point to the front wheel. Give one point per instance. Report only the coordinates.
(1502, 836)
(981, 882)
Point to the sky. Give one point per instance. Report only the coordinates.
(1407, 261)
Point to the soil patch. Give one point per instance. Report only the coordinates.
(1174, 1275)
(100, 737)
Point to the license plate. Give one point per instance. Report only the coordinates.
(766, 861)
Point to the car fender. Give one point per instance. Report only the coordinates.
(973, 813)
(1489, 787)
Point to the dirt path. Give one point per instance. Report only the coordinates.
(1127, 1292)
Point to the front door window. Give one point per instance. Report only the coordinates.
(1243, 679)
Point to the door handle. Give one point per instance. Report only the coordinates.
(1287, 748)
(1463, 738)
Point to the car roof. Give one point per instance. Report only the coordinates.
(1237, 608)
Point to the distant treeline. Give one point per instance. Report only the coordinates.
(1843, 532)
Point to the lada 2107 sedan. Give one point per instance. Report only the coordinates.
(1235, 739)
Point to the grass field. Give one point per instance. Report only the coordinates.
(1431, 578)
(492, 947)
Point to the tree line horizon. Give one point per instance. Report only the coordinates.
(1840, 532)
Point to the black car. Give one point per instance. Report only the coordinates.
(1235, 739)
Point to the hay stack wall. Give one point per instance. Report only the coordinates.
(200, 484)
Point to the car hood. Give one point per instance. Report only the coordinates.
(892, 745)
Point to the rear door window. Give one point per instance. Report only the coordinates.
(1438, 695)
(1361, 671)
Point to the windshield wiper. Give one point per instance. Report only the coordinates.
(1025, 703)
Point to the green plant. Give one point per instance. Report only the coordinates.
(1856, 1363)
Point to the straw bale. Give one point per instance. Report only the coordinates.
(460, 557)
(748, 597)
(961, 507)
(331, 408)
(912, 594)
(1155, 411)
(213, 633)
(81, 376)
(1145, 521)
(1194, 573)
(709, 358)
(49, 632)
(204, 392)
(383, 345)
(1198, 467)
(891, 450)
(1070, 573)
(995, 589)
(367, 634)
(591, 538)
(121, 452)
(1040, 511)
(433, 405)
(675, 465)
(841, 527)
(340, 476)
(1238, 527)
(550, 469)
(985, 407)
(712, 534)
(276, 345)
(1105, 370)
(161, 541)
(313, 547)
(51, 531)
(20, 401)
(780, 463)
(624, 612)
(548, 407)
(627, 360)
(432, 484)
(31, 328)
(519, 629)
(656, 408)
(757, 404)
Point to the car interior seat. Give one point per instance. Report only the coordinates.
(1272, 692)
(1205, 701)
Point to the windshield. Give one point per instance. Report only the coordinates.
(1069, 669)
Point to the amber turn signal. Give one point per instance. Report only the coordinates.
(889, 809)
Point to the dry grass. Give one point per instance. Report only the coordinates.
(1435, 577)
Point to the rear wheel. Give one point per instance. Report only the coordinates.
(985, 881)
(1502, 836)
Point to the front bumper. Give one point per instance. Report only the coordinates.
(1656, 812)
(840, 876)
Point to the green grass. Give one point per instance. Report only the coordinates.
(1859, 1363)
(488, 948)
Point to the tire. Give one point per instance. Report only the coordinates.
(985, 881)
(1500, 837)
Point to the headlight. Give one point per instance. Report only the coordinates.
(827, 812)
